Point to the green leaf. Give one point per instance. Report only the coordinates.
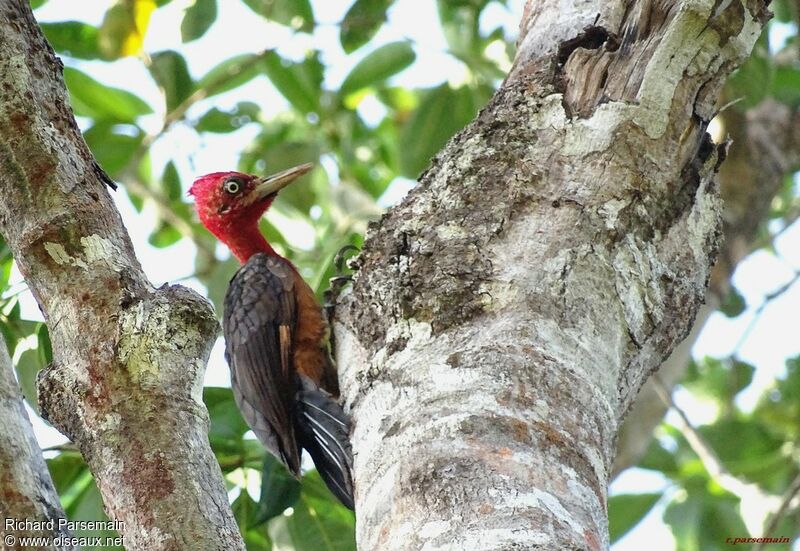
(219, 121)
(460, 23)
(35, 4)
(216, 120)
(684, 518)
(6, 263)
(317, 521)
(73, 38)
(217, 279)
(733, 304)
(170, 71)
(144, 172)
(230, 74)
(13, 327)
(753, 80)
(227, 426)
(718, 380)
(244, 509)
(79, 495)
(379, 65)
(45, 346)
(254, 532)
(70, 476)
(100, 102)
(113, 146)
(398, 99)
(442, 112)
(361, 22)
(657, 458)
(257, 539)
(782, 11)
(703, 522)
(279, 489)
(171, 182)
(626, 510)
(28, 366)
(165, 235)
(786, 86)
(198, 19)
(299, 83)
(296, 14)
(745, 446)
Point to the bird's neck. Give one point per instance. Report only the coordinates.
(247, 242)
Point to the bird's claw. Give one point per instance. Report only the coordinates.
(341, 257)
(337, 282)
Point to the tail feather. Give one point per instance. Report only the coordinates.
(323, 429)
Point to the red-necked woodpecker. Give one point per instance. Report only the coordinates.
(276, 336)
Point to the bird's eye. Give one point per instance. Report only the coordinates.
(232, 186)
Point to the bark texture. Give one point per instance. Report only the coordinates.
(507, 312)
(766, 146)
(125, 383)
(26, 489)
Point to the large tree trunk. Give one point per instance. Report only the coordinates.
(125, 383)
(507, 312)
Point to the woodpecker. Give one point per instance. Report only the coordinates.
(276, 335)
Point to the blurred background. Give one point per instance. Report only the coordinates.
(167, 90)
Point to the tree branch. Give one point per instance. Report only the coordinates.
(25, 485)
(788, 503)
(125, 384)
(708, 456)
(756, 503)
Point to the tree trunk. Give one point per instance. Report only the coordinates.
(26, 489)
(766, 146)
(125, 384)
(507, 312)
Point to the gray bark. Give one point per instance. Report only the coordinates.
(125, 384)
(507, 312)
(26, 489)
(766, 146)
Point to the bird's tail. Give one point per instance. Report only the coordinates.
(323, 429)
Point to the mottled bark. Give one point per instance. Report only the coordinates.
(125, 383)
(765, 147)
(26, 489)
(508, 311)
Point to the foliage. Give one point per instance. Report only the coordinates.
(360, 162)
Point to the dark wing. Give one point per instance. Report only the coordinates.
(258, 323)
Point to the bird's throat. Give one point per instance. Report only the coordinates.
(247, 242)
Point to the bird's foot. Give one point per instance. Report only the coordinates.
(337, 282)
(341, 257)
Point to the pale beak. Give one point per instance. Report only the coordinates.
(273, 184)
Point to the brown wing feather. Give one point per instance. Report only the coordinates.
(259, 322)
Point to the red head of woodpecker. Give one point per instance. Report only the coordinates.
(282, 376)
(230, 205)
